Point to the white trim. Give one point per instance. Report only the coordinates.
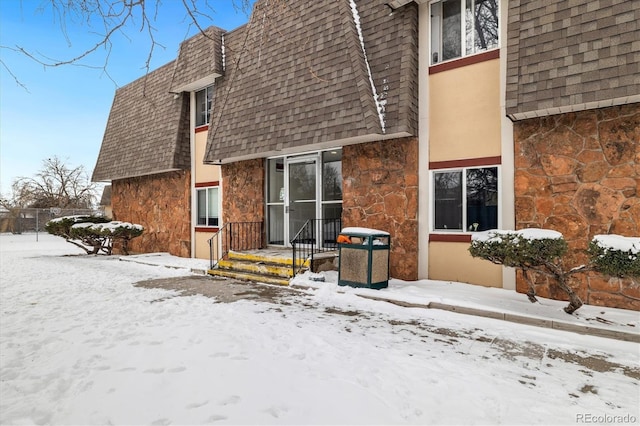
(465, 225)
(207, 215)
(192, 153)
(423, 141)
(463, 35)
(507, 214)
(574, 108)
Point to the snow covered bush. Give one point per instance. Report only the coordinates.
(519, 249)
(615, 255)
(542, 250)
(531, 249)
(61, 227)
(94, 234)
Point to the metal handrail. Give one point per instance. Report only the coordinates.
(235, 236)
(305, 243)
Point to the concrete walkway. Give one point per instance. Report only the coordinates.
(501, 304)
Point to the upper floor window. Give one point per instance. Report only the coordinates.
(462, 27)
(466, 199)
(204, 99)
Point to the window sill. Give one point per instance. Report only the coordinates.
(450, 238)
(464, 61)
(207, 229)
(202, 128)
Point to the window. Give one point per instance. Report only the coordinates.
(462, 27)
(208, 211)
(204, 99)
(331, 195)
(466, 200)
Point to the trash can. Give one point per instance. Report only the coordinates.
(364, 258)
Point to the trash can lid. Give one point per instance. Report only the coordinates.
(355, 230)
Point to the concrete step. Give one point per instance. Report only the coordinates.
(257, 268)
(247, 276)
(266, 257)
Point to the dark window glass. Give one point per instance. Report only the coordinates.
(332, 175)
(451, 31)
(203, 106)
(448, 200)
(482, 199)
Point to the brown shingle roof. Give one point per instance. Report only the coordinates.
(147, 131)
(199, 61)
(571, 55)
(296, 76)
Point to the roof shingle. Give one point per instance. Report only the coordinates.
(296, 76)
(147, 131)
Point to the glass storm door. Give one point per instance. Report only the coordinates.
(301, 202)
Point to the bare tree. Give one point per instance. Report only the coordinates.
(55, 185)
(109, 18)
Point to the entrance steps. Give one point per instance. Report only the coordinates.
(265, 266)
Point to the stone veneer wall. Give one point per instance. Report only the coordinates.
(380, 191)
(243, 191)
(162, 204)
(579, 174)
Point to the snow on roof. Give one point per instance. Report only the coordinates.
(617, 242)
(380, 106)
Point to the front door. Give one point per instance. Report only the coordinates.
(300, 188)
(301, 193)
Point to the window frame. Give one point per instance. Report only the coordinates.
(207, 216)
(464, 209)
(463, 33)
(208, 99)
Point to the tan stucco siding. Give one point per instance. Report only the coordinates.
(464, 112)
(202, 244)
(204, 172)
(452, 262)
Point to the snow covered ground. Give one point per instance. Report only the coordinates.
(79, 344)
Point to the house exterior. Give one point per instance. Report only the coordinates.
(430, 120)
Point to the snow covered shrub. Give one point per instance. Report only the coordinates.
(61, 227)
(615, 255)
(527, 248)
(532, 249)
(94, 234)
(541, 250)
(122, 232)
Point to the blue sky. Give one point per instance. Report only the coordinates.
(64, 110)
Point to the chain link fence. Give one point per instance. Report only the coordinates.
(18, 221)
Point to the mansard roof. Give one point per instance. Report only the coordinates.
(297, 75)
(199, 62)
(570, 56)
(147, 131)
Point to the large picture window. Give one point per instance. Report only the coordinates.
(204, 99)
(208, 211)
(462, 27)
(465, 200)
